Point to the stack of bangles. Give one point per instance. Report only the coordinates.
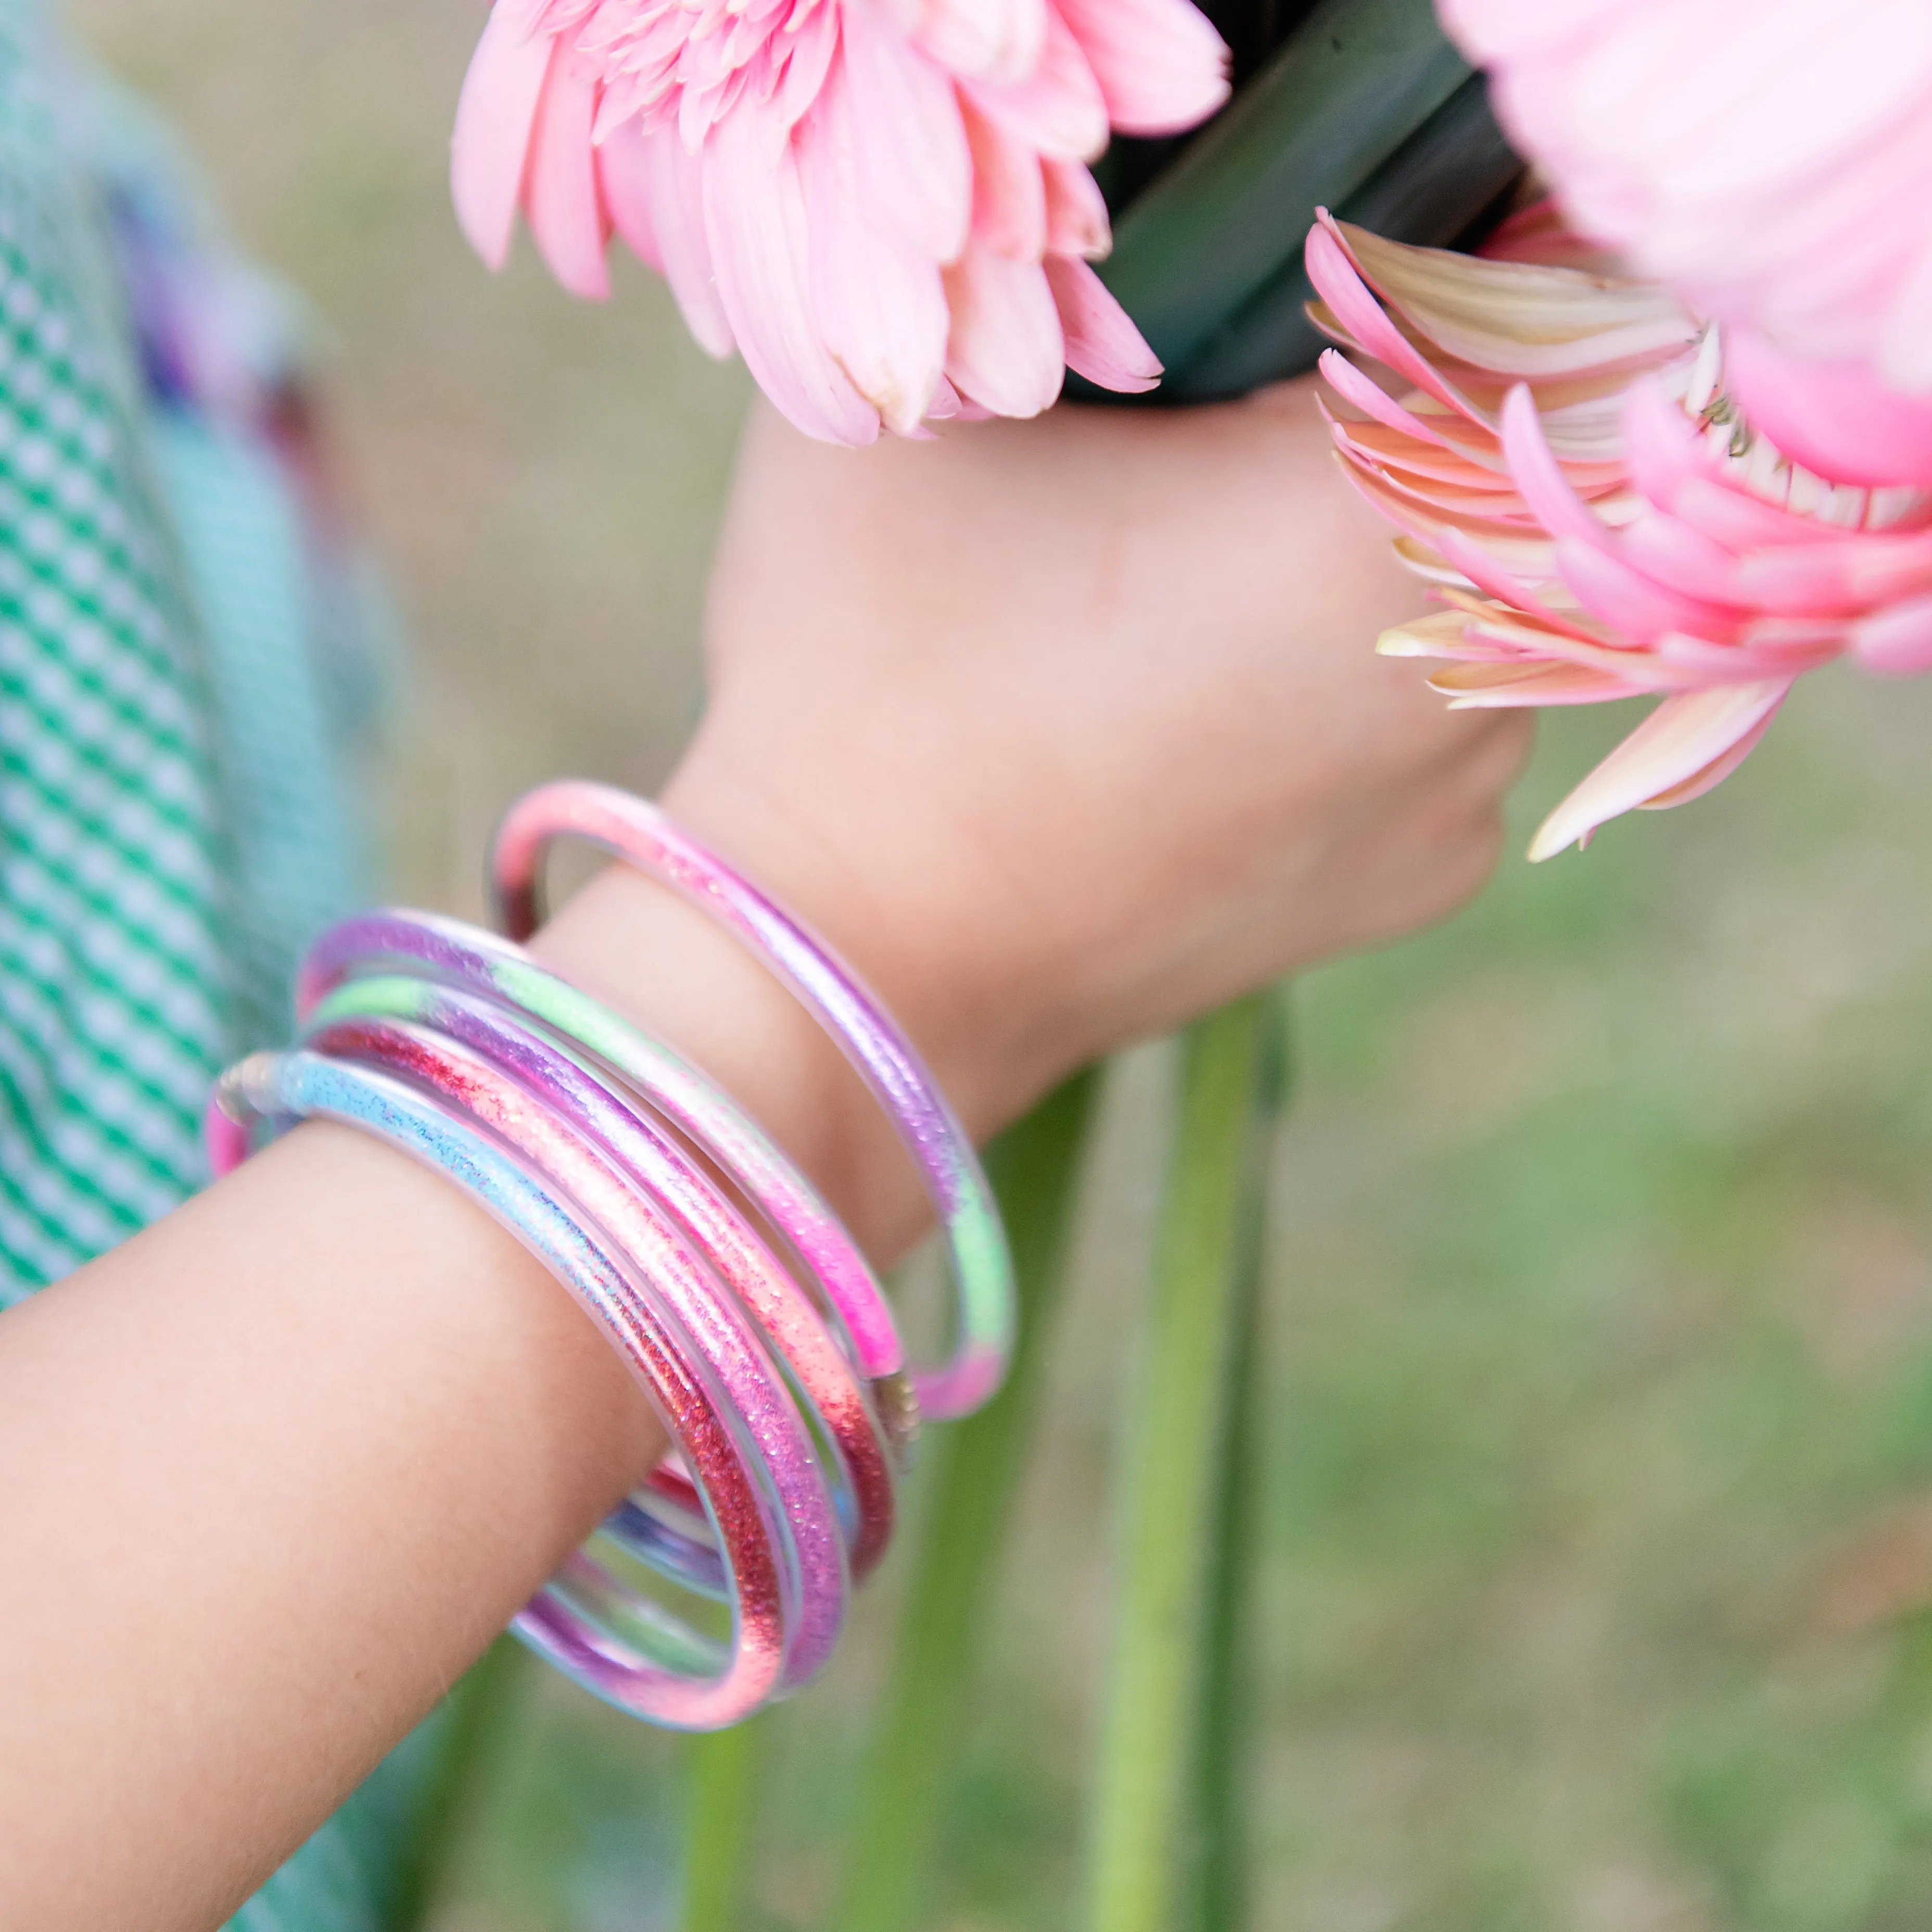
(720, 1275)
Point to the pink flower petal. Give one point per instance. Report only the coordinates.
(950, 406)
(1796, 92)
(1640, 608)
(1885, 568)
(1903, 355)
(1673, 554)
(560, 193)
(1427, 456)
(1522, 318)
(1897, 643)
(911, 155)
(1677, 743)
(1340, 285)
(1009, 190)
(878, 299)
(1822, 580)
(621, 183)
(1102, 344)
(1483, 509)
(1540, 476)
(1489, 577)
(1076, 211)
(1695, 663)
(813, 45)
(1733, 517)
(1161, 66)
(1834, 418)
(650, 176)
(494, 118)
(1423, 521)
(754, 220)
(985, 40)
(1661, 446)
(1516, 687)
(1536, 634)
(1442, 633)
(1006, 351)
(1373, 400)
(1714, 774)
(1057, 108)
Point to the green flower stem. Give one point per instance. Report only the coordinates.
(1356, 79)
(726, 1772)
(1447, 173)
(1229, 1710)
(974, 1469)
(1164, 1779)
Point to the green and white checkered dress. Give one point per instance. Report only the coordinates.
(171, 824)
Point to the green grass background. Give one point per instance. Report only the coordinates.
(1598, 1530)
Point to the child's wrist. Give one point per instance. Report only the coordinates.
(635, 944)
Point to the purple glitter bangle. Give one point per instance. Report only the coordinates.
(651, 1161)
(638, 833)
(673, 1279)
(631, 1653)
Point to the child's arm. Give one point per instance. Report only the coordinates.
(1061, 732)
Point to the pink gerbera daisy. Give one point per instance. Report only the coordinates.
(884, 205)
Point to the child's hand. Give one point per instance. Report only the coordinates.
(1067, 730)
(1062, 731)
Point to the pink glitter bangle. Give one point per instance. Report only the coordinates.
(650, 1160)
(638, 833)
(626, 1651)
(670, 1277)
(423, 943)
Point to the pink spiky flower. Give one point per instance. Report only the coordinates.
(1770, 159)
(1557, 441)
(884, 205)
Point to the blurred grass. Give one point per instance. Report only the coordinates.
(1598, 1489)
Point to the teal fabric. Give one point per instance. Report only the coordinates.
(172, 727)
(291, 869)
(115, 882)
